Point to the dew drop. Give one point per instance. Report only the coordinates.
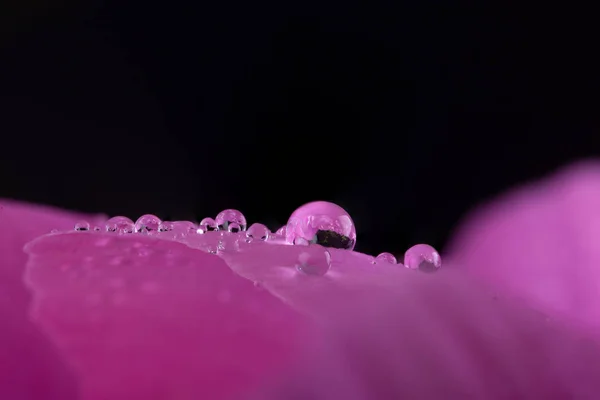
(322, 223)
(82, 226)
(230, 216)
(280, 231)
(119, 225)
(257, 232)
(422, 257)
(385, 258)
(165, 226)
(207, 225)
(147, 224)
(314, 260)
(183, 228)
(233, 227)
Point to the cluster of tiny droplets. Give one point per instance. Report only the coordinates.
(316, 226)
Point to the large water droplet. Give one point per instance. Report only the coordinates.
(120, 225)
(230, 216)
(82, 226)
(385, 258)
(323, 223)
(207, 225)
(422, 257)
(314, 260)
(257, 232)
(147, 224)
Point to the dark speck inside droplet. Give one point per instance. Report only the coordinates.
(81, 229)
(333, 239)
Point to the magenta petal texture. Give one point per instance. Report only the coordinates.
(156, 316)
(541, 243)
(30, 365)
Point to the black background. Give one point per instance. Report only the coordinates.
(405, 114)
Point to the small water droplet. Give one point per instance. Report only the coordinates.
(54, 231)
(257, 232)
(281, 231)
(323, 223)
(147, 224)
(82, 226)
(233, 227)
(315, 260)
(207, 225)
(385, 258)
(165, 226)
(120, 225)
(422, 257)
(230, 216)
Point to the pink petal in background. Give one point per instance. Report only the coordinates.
(541, 244)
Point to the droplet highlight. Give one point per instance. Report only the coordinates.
(422, 257)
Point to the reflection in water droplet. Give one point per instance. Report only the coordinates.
(207, 225)
(323, 223)
(147, 224)
(385, 258)
(422, 257)
(301, 242)
(257, 232)
(233, 227)
(82, 226)
(120, 225)
(314, 260)
(165, 226)
(230, 216)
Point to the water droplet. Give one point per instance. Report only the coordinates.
(147, 224)
(281, 231)
(119, 225)
(314, 260)
(385, 258)
(183, 228)
(97, 229)
(422, 257)
(257, 232)
(165, 226)
(230, 216)
(323, 223)
(233, 227)
(82, 226)
(207, 225)
(54, 231)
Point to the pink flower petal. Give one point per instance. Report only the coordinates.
(541, 243)
(441, 337)
(145, 318)
(29, 364)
